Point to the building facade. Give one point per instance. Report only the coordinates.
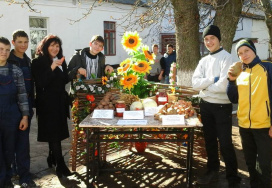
(65, 18)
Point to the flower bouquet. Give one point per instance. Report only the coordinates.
(134, 69)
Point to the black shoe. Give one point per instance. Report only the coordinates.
(62, 169)
(8, 184)
(51, 160)
(208, 177)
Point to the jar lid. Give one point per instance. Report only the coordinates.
(161, 90)
(120, 101)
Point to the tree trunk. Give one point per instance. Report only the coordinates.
(187, 38)
(227, 16)
(268, 18)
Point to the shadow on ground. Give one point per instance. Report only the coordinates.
(157, 155)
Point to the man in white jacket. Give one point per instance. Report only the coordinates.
(210, 78)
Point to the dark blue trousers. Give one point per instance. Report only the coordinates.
(22, 156)
(7, 146)
(217, 126)
(257, 150)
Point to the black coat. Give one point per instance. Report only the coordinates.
(79, 61)
(52, 102)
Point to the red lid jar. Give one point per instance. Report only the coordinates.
(161, 97)
(120, 108)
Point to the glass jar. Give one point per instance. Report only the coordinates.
(161, 97)
(120, 108)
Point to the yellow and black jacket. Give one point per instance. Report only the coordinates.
(252, 90)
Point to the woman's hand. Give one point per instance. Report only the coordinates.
(57, 63)
(24, 123)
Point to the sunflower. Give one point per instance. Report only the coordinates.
(128, 81)
(141, 67)
(124, 66)
(148, 55)
(131, 41)
(104, 80)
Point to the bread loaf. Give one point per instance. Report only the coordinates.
(236, 69)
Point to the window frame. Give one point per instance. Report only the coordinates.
(108, 39)
(36, 29)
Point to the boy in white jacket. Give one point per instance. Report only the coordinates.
(210, 78)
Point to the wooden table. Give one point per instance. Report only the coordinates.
(96, 128)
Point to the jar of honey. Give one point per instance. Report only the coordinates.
(161, 97)
(120, 108)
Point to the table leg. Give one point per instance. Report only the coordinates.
(189, 162)
(93, 153)
(87, 159)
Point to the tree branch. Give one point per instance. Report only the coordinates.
(28, 3)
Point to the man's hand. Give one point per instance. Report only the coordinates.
(82, 71)
(108, 69)
(24, 123)
(216, 79)
(270, 132)
(160, 77)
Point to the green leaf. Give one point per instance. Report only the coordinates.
(93, 76)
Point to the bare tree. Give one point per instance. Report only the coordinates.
(228, 13)
(24, 4)
(186, 15)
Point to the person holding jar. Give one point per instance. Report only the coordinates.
(50, 74)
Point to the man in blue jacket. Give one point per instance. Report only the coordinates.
(169, 58)
(19, 58)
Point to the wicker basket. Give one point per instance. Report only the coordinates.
(78, 150)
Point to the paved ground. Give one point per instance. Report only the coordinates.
(157, 155)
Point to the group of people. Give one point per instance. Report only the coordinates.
(251, 88)
(160, 70)
(213, 77)
(49, 73)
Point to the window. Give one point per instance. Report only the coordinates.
(110, 38)
(38, 30)
(167, 39)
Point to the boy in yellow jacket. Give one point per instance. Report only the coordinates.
(251, 88)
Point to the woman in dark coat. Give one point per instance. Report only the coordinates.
(50, 75)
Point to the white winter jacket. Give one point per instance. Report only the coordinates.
(209, 67)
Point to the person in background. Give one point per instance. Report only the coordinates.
(50, 75)
(156, 67)
(14, 111)
(89, 62)
(162, 76)
(251, 88)
(19, 58)
(169, 58)
(210, 77)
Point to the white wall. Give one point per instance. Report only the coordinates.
(252, 28)
(76, 36)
